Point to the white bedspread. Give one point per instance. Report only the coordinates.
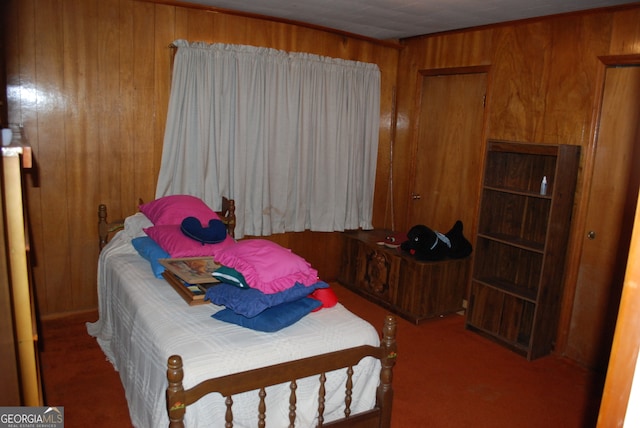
(143, 321)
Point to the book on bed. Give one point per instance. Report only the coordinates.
(204, 286)
(193, 294)
(193, 270)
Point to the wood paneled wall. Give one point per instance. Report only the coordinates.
(543, 76)
(545, 84)
(89, 80)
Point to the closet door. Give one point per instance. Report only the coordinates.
(449, 148)
(612, 202)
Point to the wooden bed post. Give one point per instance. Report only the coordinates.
(384, 396)
(105, 228)
(228, 215)
(175, 392)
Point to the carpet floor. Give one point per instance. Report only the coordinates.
(446, 376)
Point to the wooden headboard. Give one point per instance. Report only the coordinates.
(105, 227)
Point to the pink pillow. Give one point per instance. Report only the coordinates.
(267, 266)
(175, 208)
(171, 239)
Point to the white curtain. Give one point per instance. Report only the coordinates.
(292, 137)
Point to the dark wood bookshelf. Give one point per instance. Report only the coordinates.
(516, 282)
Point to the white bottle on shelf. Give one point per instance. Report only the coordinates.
(543, 186)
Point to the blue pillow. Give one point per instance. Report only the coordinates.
(271, 319)
(251, 302)
(151, 251)
(230, 276)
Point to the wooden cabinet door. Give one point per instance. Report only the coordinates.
(377, 272)
(449, 150)
(612, 201)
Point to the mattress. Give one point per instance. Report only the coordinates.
(142, 321)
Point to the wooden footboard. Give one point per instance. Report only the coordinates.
(257, 380)
(106, 228)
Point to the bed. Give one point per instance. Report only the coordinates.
(181, 367)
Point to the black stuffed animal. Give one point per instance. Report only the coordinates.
(426, 244)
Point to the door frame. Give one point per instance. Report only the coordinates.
(621, 373)
(580, 216)
(413, 149)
